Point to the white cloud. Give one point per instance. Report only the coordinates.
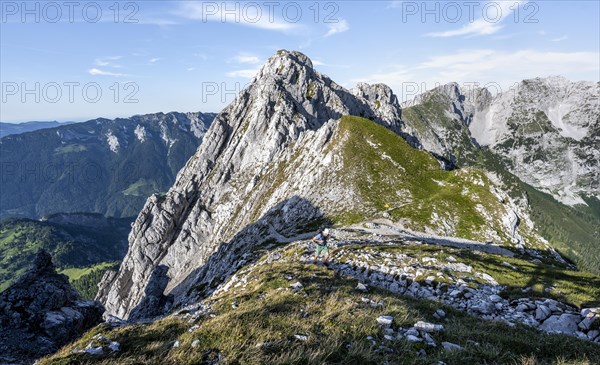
(486, 66)
(98, 72)
(340, 27)
(190, 69)
(246, 74)
(245, 58)
(324, 64)
(542, 32)
(108, 61)
(154, 60)
(235, 13)
(487, 25)
(564, 37)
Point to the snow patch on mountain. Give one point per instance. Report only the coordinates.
(556, 114)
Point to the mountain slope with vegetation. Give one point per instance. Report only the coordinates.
(573, 230)
(284, 309)
(436, 257)
(100, 166)
(82, 251)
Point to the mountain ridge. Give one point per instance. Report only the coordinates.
(100, 166)
(279, 156)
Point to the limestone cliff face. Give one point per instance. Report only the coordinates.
(545, 131)
(440, 120)
(241, 176)
(548, 131)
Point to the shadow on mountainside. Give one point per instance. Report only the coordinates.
(154, 302)
(293, 219)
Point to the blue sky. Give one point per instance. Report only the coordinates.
(83, 60)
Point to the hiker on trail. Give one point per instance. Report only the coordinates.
(321, 241)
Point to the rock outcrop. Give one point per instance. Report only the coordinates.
(440, 120)
(281, 160)
(289, 108)
(41, 312)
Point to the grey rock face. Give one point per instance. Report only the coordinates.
(547, 128)
(565, 323)
(41, 312)
(195, 230)
(440, 119)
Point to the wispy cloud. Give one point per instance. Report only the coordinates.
(484, 66)
(245, 58)
(154, 60)
(483, 26)
(246, 74)
(233, 13)
(99, 72)
(108, 61)
(340, 27)
(190, 69)
(319, 63)
(564, 37)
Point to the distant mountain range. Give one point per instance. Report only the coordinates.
(99, 166)
(7, 129)
(545, 130)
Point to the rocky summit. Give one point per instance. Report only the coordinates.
(41, 313)
(243, 177)
(283, 157)
(436, 258)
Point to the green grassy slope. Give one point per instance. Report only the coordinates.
(409, 185)
(257, 324)
(431, 114)
(85, 280)
(573, 231)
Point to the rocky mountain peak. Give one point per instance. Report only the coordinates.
(288, 110)
(468, 97)
(285, 62)
(288, 155)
